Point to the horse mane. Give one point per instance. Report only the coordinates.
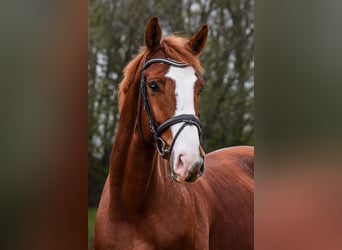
(173, 47)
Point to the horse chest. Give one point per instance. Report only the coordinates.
(166, 231)
(154, 231)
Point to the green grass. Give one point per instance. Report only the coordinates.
(91, 224)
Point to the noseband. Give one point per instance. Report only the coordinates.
(157, 130)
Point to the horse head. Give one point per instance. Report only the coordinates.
(170, 88)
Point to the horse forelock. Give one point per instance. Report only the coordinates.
(173, 47)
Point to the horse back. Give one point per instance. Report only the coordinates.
(240, 156)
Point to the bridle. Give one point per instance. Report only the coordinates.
(157, 130)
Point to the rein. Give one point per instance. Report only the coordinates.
(156, 129)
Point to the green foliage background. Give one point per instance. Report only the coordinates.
(116, 31)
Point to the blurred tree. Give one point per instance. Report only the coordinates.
(116, 31)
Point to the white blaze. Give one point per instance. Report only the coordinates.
(187, 144)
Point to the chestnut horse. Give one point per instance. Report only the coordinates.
(146, 202)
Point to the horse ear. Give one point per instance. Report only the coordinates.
(197, 41)
(153, 34)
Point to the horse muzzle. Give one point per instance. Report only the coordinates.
(184, 172)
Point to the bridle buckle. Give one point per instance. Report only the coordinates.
(161, 147)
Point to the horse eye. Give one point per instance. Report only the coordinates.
(154, 86)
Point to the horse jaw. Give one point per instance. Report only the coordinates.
(186, 163)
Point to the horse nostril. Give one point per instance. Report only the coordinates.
(196, 167)
(179, 168)
(180, 161)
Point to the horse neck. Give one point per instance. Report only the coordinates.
(134, 165)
